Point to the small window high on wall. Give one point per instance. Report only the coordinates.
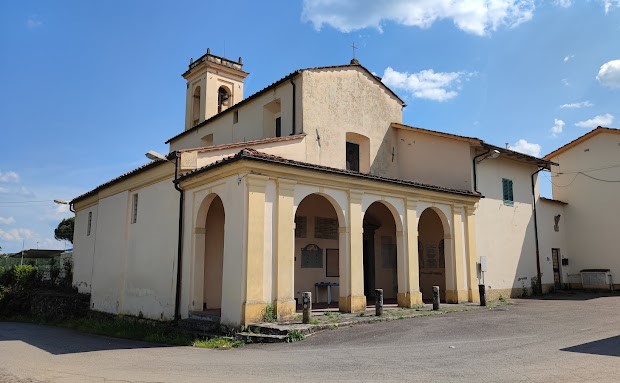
(507, 192)
(357, 152)
(134, 208)
(353, 156)
(196, 107)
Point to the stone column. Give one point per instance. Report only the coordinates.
(472, 255)
(254, 304)
(285, 251)
(459, 292)
(356, 300)
(412, 295)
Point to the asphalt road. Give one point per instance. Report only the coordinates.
(568, 339)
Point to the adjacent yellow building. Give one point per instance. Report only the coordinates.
(311, 184)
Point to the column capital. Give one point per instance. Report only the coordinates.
(284, 184)
(412, 203)
(256, 182)
(471, 210)
(355, 196)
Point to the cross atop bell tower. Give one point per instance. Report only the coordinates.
(214, 84)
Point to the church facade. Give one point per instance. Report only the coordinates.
(311, 184)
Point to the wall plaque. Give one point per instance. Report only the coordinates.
(325, 228)
(311, 257)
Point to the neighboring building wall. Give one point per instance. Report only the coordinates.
(549, 238)
(337, 101)
(593, 209)
(506, 233)
(433, 160)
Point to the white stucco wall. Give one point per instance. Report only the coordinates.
(133, 270)
(593, 210)
(505, 234)
(84, 248)
(549, 239)
(250, 125)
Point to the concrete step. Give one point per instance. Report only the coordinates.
(250, 337)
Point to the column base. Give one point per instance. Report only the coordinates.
(473, 296)
(352, 304)
(457, 296)
(285, 309)
(409, 300)
(253, 312)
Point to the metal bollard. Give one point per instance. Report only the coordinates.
(435, 298)
(483, 295)
(307, 303)
(378, 302)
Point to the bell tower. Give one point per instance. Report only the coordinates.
(214, 84)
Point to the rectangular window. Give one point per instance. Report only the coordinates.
(134, 208)
(507, 192)
(278, 127)
(90, 221)
(353, 157)
(235, 116)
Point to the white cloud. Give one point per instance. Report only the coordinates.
(600, 120)
(6, 220)
(609, 74)
(522, 146)
(15, 234)
(33, 22)
(426, 84)
(558, 127)
(565, 82)
(577, 105)
(569, 57)
(563, 4)
(9, 177)
(475, 17)
(609, 3)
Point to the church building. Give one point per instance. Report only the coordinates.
(313, 183)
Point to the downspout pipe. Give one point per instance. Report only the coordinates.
(474, 167)
(177, 298)
(538, 274)
(294, 130)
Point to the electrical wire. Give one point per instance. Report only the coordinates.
(589, 170)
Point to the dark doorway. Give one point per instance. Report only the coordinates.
(557, 274)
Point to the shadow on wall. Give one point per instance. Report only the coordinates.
(58, 341)
(608, 347)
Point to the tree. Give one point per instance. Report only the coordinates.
(64, 231)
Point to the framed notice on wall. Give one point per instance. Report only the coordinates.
(332, 261)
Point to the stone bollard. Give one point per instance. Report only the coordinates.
(378, 302)
(307, 303)
(435, 298)
(483, 295)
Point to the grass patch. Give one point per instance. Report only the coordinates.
(217, 342)
(294, 336)
(269, 314)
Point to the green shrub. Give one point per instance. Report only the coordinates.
(66, 280)
(26, 276)
(54, 272)
(270, 315)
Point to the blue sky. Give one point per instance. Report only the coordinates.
(86, 88)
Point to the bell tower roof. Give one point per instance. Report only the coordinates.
(217, 62)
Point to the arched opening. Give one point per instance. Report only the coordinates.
(357, 155)
(317, 252)
(223, 99)
(213, 258)
(432, 254)
(196, 106)
(380, 253)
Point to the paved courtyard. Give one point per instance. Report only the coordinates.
(566, 338)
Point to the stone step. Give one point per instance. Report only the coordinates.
(250, 337)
